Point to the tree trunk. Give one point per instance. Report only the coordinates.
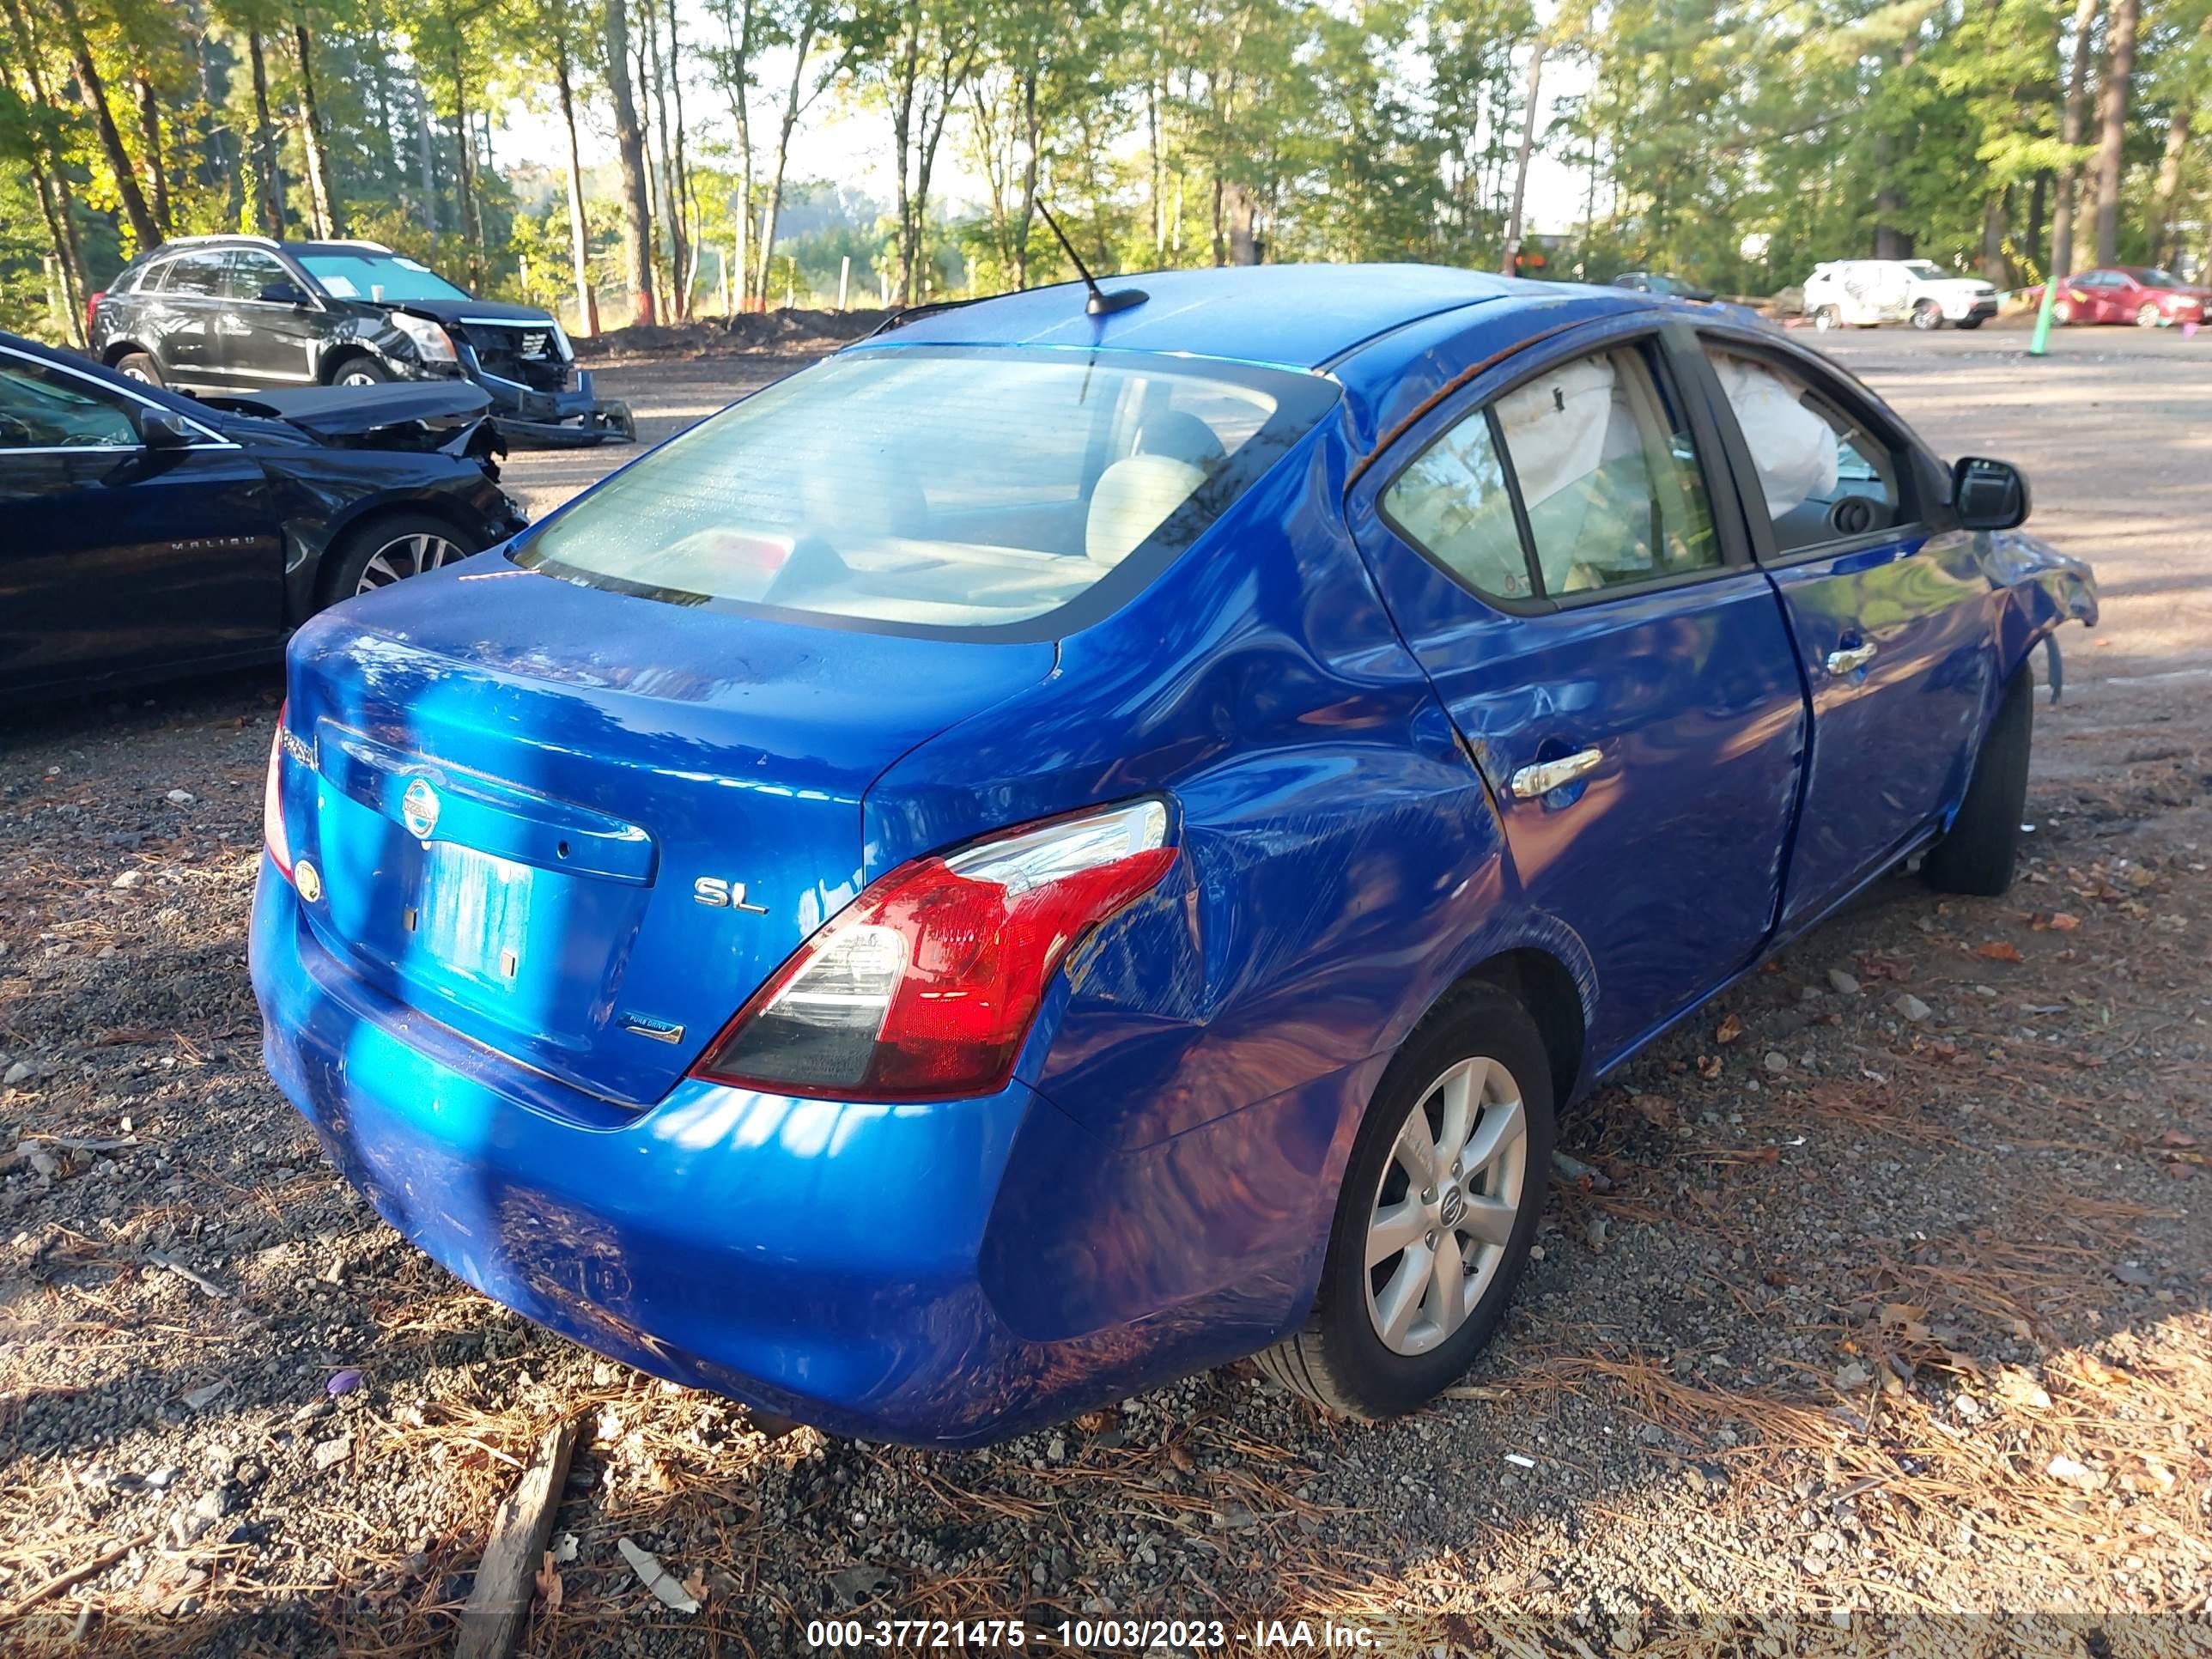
(465, 150)
(2069, 133)
(1511, 264)
(149, 139)
(1032, 141)
(94, 94)
(2112, 118)
(1152, 151)
(934, 118)
(686, 220)
(269, 182)
(72, 292)
(1238, 209)
(2038, 196)
(330, 218)
(1994, 271)
(380, 90)
(774, 205)
(671, 195)
(904, 78)
(588, 304)
(2169, 182)
(424, 160)
(740, 36)
(54, 197)
(637, 222)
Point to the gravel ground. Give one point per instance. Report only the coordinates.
(1879, 1316)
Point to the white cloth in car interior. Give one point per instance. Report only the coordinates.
(1793, 449)
(1564, 425)
(1133, 499)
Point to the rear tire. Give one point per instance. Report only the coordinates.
(1928, 316)
(390, 548)
(1827, 317)
(138, 366)
(1980, 852)
(1476, 1078)
(2062, 313)
(1969, 322)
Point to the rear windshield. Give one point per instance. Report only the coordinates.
(939, 489)
(377, 276)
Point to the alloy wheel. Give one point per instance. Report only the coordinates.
(134, 373)
(2148, 317)
(407, 556)
(358, 377)
(1444, 1210)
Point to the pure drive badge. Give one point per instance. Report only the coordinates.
(645, 1025)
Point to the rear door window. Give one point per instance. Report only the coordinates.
(196, 274)
(1608, 476)
(1582, 480)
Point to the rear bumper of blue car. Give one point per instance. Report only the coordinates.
(944, 1274)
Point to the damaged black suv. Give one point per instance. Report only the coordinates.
(241, 313)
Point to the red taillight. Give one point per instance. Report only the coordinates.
(92, 308)
(925, 987)
(272, 803)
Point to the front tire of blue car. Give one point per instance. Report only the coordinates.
(1440, 1205)
(1980, 852)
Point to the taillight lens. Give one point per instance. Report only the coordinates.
(272, 803)
(925, 987)
(92, 308)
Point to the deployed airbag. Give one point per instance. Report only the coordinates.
(1792, 448)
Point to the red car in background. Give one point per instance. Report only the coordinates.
(2128, 294)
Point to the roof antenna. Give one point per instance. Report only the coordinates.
(1100, 303)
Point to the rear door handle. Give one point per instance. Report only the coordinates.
(1535, 782)
(1850, 659)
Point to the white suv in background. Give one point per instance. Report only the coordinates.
(1860, 292)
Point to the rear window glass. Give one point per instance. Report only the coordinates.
(938, 488)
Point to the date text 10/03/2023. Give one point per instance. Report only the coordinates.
(1081, 1635)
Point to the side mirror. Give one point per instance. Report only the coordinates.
(1988, 494)
(284, 292)
(159, 429)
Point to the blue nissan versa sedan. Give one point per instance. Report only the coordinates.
(1067, 843)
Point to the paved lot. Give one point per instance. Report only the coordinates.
(1883, 1315)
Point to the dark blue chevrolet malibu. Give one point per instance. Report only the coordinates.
(1066, 844)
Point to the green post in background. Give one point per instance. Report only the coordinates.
(2040, 345)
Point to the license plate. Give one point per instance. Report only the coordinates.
(474, 917)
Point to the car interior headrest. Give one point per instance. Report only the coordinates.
(1183, 437)
(858, 495)
(1133, 498)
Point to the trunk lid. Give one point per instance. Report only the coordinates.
(582, 828)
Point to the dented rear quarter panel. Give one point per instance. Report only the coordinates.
(1338, 846)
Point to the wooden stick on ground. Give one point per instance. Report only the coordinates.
(62, 1581)
(492, 1622)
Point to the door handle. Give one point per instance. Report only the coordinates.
(1850, 659)
(1534, 783)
